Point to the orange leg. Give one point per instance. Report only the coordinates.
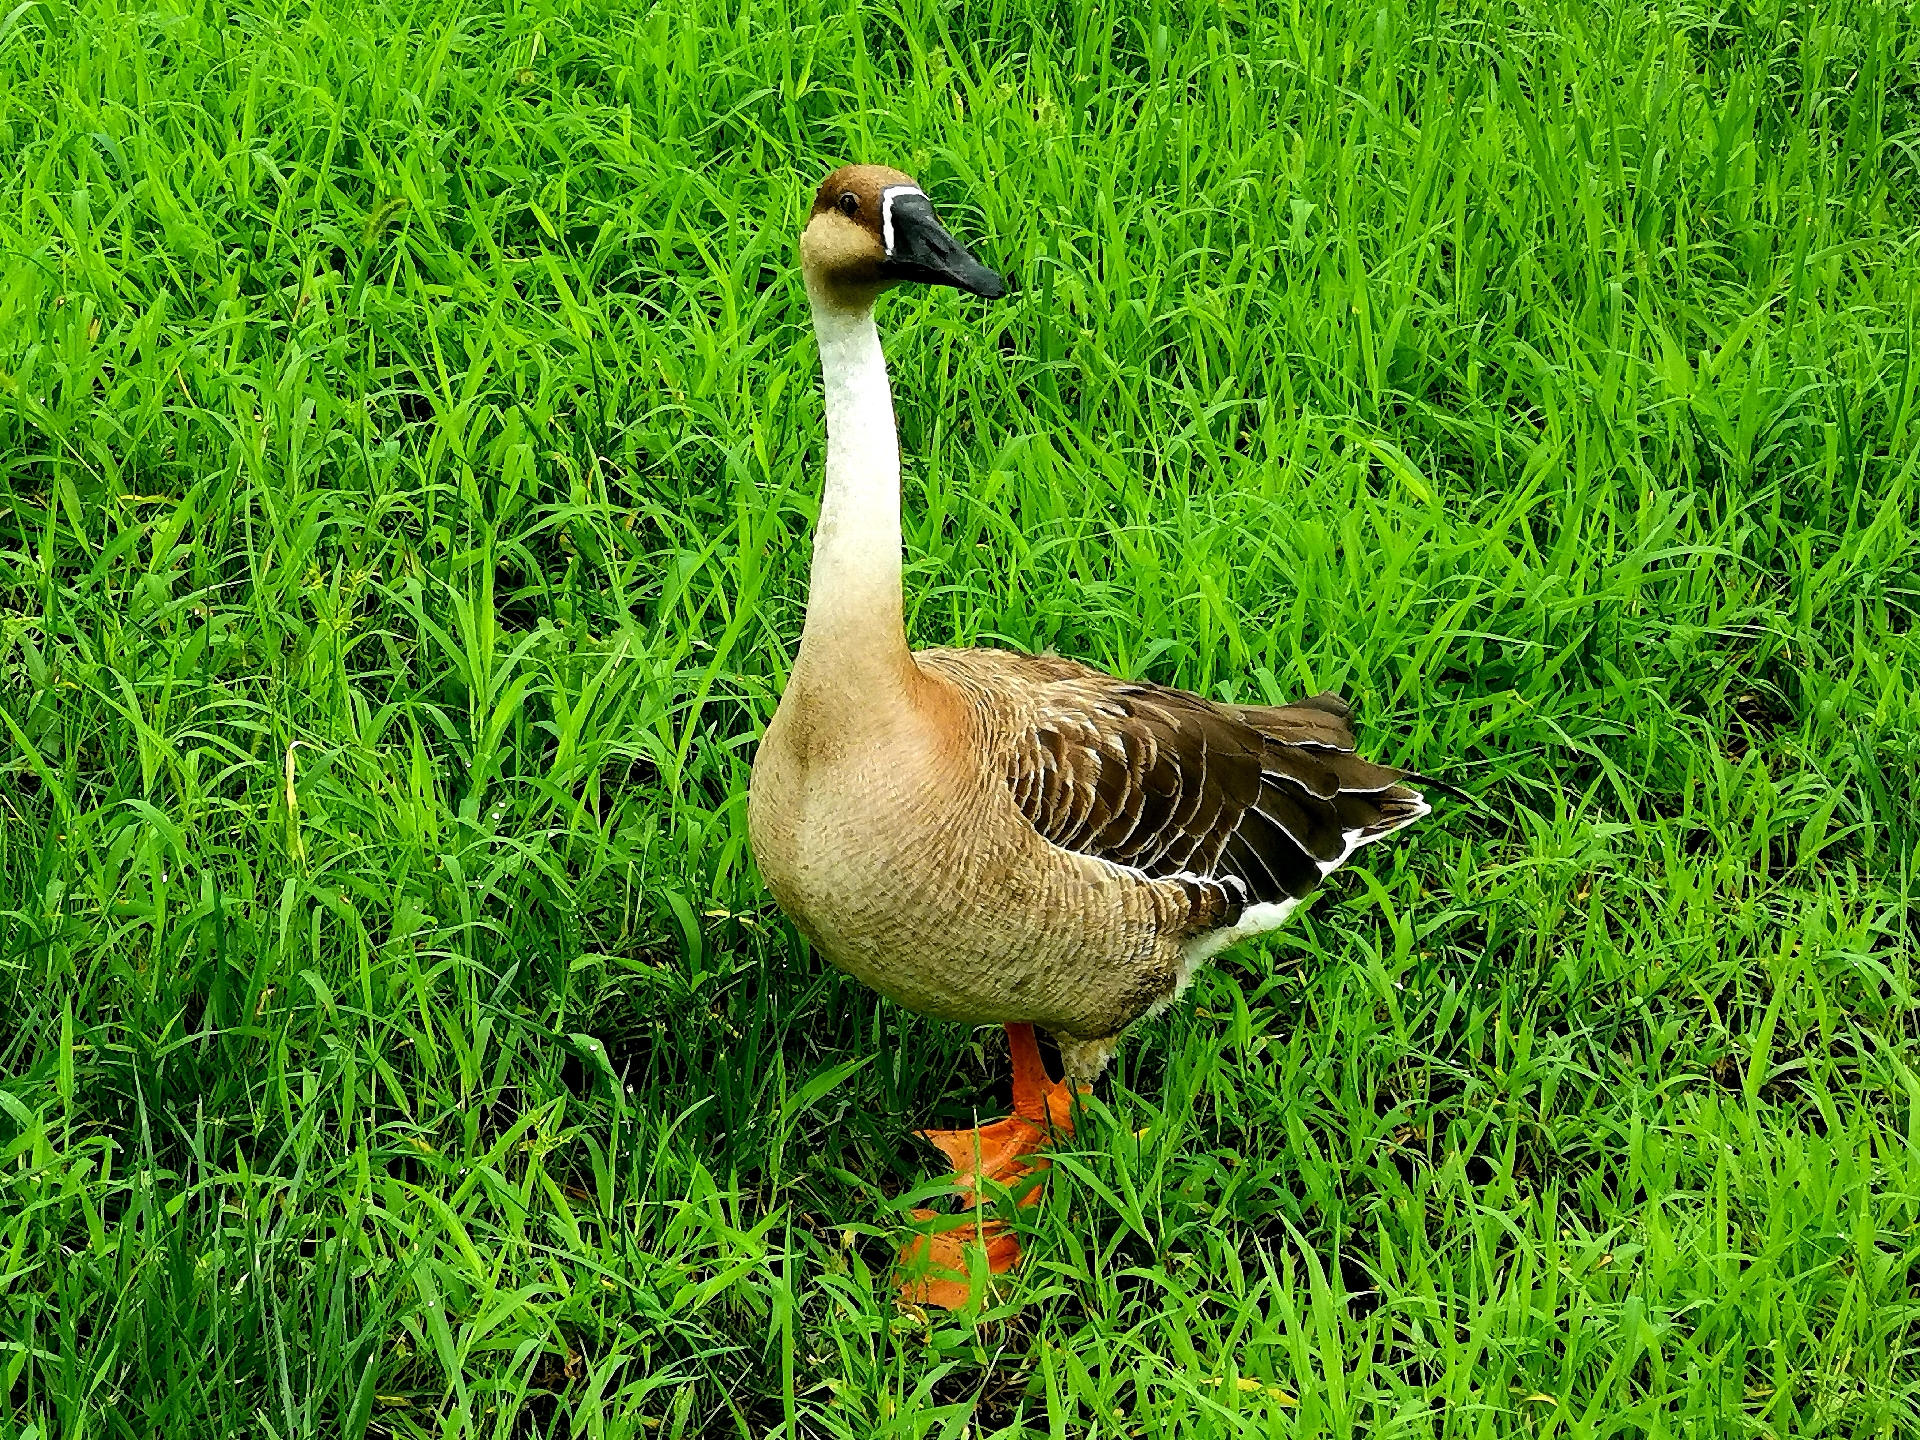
(935, 1266)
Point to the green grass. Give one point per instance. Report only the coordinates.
(409, 430)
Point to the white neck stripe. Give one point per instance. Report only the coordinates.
(854, 596)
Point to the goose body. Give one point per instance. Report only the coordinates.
(993, 837)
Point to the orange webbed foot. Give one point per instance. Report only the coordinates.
(934, 1266)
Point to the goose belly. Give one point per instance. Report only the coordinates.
(911, 902)
(991, 958)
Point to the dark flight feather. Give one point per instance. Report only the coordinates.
(1244, 804)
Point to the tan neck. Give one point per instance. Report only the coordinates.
(855, 640)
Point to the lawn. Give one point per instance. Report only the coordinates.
(409, 437)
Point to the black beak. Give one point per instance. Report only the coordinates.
(919, 248)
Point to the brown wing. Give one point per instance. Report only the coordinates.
(1262, 801)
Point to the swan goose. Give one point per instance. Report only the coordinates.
(993, 837)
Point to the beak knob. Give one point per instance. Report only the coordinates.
(920, 249)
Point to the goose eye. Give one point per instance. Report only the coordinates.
(849, 203)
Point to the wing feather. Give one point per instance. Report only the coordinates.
(1242, 805)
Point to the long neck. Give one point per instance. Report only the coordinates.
(854, 631)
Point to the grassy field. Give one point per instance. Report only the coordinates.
(409, 432)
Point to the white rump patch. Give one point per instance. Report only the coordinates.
(1254, 920)
(886, 212)
(1258, 919)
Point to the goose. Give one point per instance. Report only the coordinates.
(993, 837)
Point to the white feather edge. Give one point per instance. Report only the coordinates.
(1259, 919)
(1255, 919)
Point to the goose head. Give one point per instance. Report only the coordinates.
(872, 228)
